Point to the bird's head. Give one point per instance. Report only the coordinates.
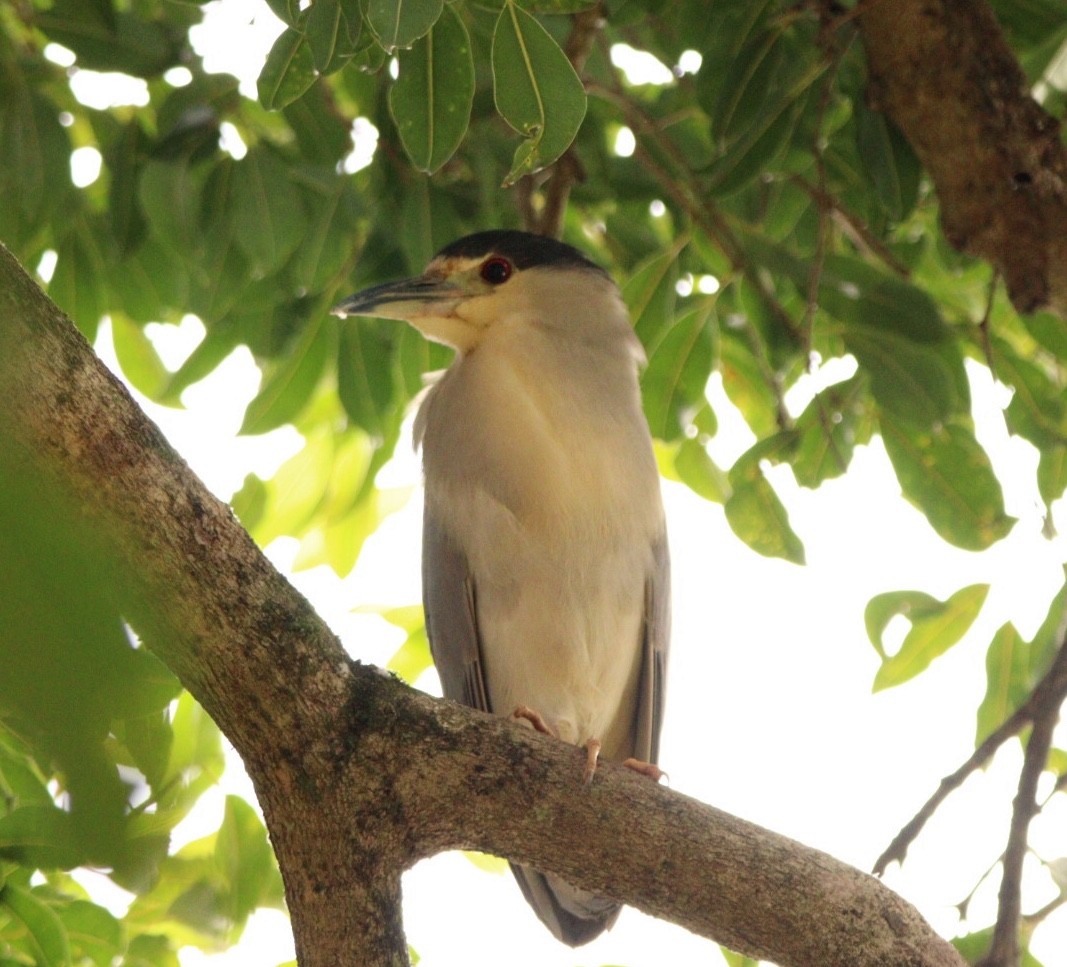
(493, 278)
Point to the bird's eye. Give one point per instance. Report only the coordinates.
(496, 270)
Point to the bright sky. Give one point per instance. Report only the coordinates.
(770, 714)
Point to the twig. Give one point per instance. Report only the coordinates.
(1048, 694)
(983, 323)
(853, 226)
(1004, 951)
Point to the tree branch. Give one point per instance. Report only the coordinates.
(1043, 702)
(942, 70)
(360, 776)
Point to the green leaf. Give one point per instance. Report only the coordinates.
(137, 356)
(1007, 665)
(699, 473)
(432, 96)
(836, 421)
(1048, 331)
(246, 860)
(536, 90)
(935, 627)
(1052, 474)
(270, 221)
(93, 933)
(947, 475)
(754, 153)
(859, 294)
(288, 385)
(34, 163)
(288, 71)
(79, 284)
(112, 40)
(888, 161)
(339, 541)
(322, 29)
(754, 511)
(749, 386)
(40, 836)
(365, 379)
(677, 372)
(399, 23)
(910, 380)
(650, 295)
(170, 192)
(46, 932)
(413, 657)
(326, 246)
(1046, 643)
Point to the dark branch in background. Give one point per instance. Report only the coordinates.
(361, 776)
(1004, 951)
(547, 218)
(943, 72)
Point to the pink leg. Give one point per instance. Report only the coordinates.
(650, 769)
(592, 755)
(524, 712)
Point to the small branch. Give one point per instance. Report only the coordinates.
(1049, 693)
(1004, 951)
(854, 227)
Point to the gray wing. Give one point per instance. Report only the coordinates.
(448, 598)
(652, 687)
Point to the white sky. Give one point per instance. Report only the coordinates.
(770, 714)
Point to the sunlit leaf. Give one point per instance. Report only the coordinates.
(755, 512)
(1007, 680)
(935, 627)
(698, 471)
(946, 474)
(246, 860)
(48, 938)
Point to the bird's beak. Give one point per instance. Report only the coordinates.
(408, 299)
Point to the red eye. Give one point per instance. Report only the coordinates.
(496, 270)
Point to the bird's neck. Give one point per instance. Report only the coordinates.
(552, 431)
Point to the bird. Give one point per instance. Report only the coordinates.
(545, 565)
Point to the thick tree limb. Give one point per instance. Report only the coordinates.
(942, 70)
(360, 776)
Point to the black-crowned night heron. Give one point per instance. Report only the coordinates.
(545, 567)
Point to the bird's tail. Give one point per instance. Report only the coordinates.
(573, 915)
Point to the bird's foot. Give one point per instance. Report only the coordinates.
(592, 756)
(650, 769)
(527, 714)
